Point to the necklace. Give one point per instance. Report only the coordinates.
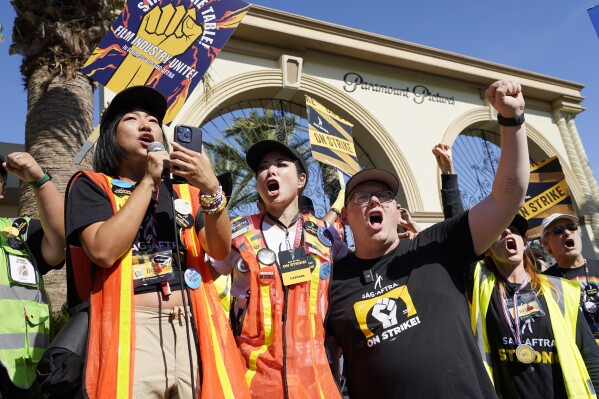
(524, 353)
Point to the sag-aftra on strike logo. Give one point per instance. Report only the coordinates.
(385, 316)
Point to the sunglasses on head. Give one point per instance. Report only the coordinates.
(557, 230)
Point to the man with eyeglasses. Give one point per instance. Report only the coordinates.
(560, 235)
(398, 307)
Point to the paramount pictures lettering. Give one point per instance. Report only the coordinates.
(419, 93)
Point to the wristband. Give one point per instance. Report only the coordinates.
(515, 121)
(42, 180)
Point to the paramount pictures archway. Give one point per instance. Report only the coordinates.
(402, 99)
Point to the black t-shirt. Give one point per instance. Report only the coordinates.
(543, 378)
(407, 333)
(87, 204)
(579, 274)
(35, 234)
(514, 379)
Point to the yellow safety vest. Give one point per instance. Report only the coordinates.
(562, 305)
(25, 330)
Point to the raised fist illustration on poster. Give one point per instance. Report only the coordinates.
(165, 32)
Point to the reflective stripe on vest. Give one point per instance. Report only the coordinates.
(24, 333)
(222, 371)
(109, 365)
(562, 298)
(265, 336)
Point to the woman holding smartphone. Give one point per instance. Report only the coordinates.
(137, 243)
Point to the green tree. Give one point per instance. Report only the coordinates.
(228, 153)
(55, 38)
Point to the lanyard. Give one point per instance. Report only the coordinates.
(515, 325)
(586, 272)
(298, 230)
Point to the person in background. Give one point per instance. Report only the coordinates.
(398, 308)
(281, 267)
(450, 190)
(539, 257)
(137, 243)
(30, 248)
(560, 236)
(333, 216)
(525, 321)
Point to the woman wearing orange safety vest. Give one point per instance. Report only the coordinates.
(281, 270)
(137, 244)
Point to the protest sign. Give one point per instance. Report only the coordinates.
(594, 14)
(547, 193)
(165, 44)
(330, 138)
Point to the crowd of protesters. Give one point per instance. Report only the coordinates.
(456, 310)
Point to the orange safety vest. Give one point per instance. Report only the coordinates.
(110, 356)
(282, 336)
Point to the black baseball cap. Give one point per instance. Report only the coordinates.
(226, 182)
(380, 175)
(137, 96)
(521, 224)
(306, 202)
(260, 149)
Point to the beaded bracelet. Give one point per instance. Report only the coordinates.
(212, 204)
(216, 210)
(208, 198)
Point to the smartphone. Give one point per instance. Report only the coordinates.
(189, 137)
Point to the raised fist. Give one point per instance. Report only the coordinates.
(385, 311)
(173, 29)
(506, 97)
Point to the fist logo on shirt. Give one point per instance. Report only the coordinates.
(385, 311)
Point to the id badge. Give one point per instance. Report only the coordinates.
(152, 268)
(21, 270)
(315, 247)
(529, 307)
(295, 267)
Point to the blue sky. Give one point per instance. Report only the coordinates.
(550, 37)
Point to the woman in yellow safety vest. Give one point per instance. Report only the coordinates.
(533, 340)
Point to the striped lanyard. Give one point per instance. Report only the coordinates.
(515, 325)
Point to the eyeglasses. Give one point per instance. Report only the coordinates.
(557, 230)
(364, 197)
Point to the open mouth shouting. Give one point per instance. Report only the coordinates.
(273, 187)
(375, 219)
(511, 245)
(569, 243)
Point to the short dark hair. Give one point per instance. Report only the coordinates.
(107, 155)
(3, 172)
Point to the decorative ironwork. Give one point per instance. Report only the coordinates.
(231, 131)
(475, 157)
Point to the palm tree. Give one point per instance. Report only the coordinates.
(228, 153)
(55, 38)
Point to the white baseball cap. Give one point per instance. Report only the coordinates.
(554, 216)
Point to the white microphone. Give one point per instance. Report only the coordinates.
(155, 146)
